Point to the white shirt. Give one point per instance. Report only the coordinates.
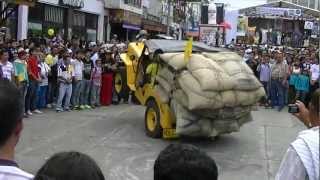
(314, 71)
(14, 173)
(7, 70)
(45, 69)
(94, 58)
(78, 68)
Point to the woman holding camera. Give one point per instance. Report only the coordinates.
(301, 161)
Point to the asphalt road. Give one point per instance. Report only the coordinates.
(114, 136)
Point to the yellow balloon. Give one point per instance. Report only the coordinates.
(50, 32)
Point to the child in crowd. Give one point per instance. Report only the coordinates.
(43, 85)
(96, 84)
(65, 76)
(302, 86)
(78, 79)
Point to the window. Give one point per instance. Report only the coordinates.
(295, 1)
(136, 3)
(303, 3)
(312, 4)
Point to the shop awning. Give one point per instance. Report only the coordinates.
(131, 26)
(284, 4)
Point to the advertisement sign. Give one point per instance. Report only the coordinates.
(208, 34)
(308, 25)
(72, 3)
(242, 26)
(272, 11)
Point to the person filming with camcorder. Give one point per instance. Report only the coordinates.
(301, 160)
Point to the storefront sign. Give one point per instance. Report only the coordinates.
(72, 3)
(285, 12)
(121, 16)
(207, 35)
(308, 25)
(22, 2)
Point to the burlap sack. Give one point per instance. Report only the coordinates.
(229, 98)
(163, 95)
(181, 97)
(175, 60)
(198, 99)
(166, 74)
(248, 98)
(223, 56)
(209, 74)
(164, 84)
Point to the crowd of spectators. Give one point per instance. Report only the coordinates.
(287, 74)
(58, 74)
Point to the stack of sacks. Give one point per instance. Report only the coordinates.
(211, 94)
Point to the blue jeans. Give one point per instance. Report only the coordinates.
(65, 91)
(31, 97)
(52, 94)
(23, 88)
(42, 100)
(77, 92)
(86, 92)
(95, 95)
(277, 93)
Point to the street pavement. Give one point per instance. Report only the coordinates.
(114, 136)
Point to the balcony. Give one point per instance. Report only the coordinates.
(127, 5)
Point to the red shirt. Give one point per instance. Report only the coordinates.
(33, 68)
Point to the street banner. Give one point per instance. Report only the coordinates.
(212, 14)
(273, 11)
(242, 25)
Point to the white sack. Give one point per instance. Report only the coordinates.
(163, 95)
(175, 60)
(164, 84)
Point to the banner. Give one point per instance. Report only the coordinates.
(272, 11)
(308, 25)
(242, 26)
(208, 35)
(212, 14)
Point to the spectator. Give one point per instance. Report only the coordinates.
(295, 71)
(44, 73)
(279, 73)
(301, 160)
(95, 55)
(187, 162)
(70, 166)
(34, 80)
(65, 76)
(314, 73)
(6, 66)
(78, 79)
(11, 125)
(264, 74)
(96, 84)
(21, 73)
(302, 84)
(52, 61)
(1, 73)
(86, 83)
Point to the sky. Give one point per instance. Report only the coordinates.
(239, 4)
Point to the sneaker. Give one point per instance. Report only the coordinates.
(82, 107)
(87, 106)
(75, 107)
(67, 109)
(59, 110)
(49, 106)
(25, 115)
(29, 113)
(93, 107)
(37, 111)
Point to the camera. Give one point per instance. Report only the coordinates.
(293, 108)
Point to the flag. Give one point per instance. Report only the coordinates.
(188, 50)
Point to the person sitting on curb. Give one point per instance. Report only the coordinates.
(11, 125)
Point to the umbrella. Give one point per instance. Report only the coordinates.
(225, 25)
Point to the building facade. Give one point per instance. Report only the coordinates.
(68, 18)
(312, 4)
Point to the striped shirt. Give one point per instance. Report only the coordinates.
(7, 70)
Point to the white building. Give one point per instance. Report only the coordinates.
(312, 4)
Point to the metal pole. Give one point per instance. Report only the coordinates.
(168, 17)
